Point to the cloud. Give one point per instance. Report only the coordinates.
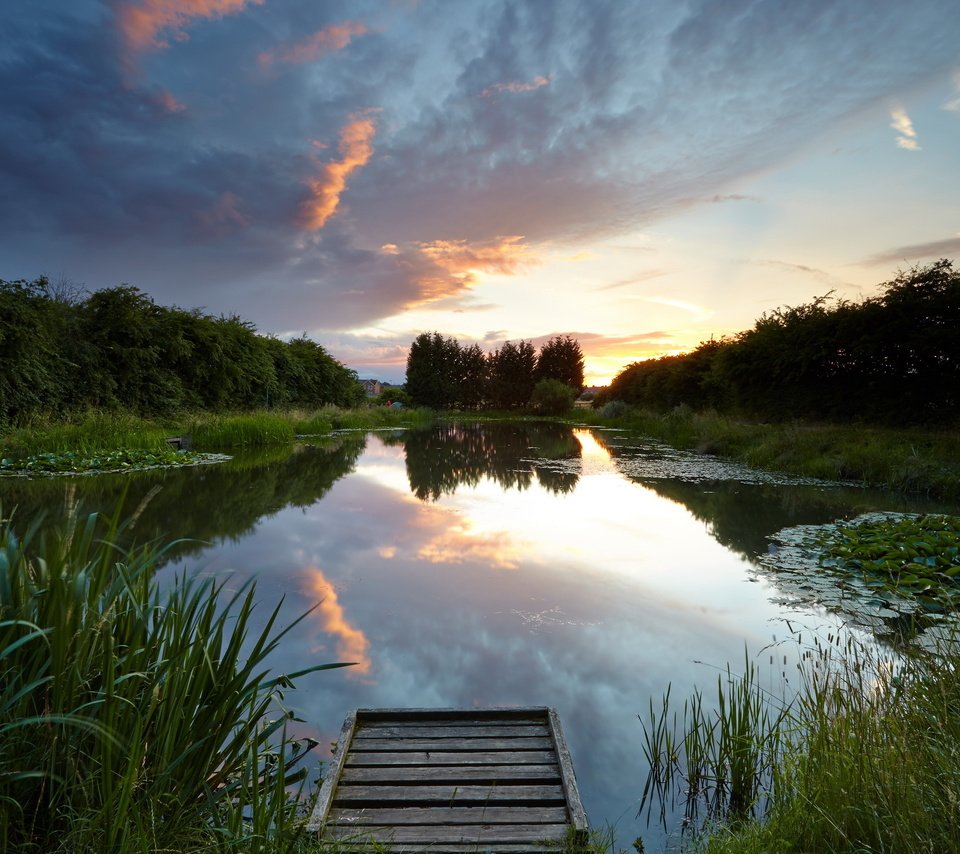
(224, 216)
(147, 24)
(330, 39)
(917, 251)
(356, 149)
(516, 86)
(803, 269)
(901, 123)
(503, 255)
(953, 105)
(352, 644)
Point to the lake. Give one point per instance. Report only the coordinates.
(495, 564)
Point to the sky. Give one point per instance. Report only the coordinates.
(642, 176)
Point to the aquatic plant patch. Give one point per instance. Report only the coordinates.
(892, 573)
(106, 461)
(914, 556)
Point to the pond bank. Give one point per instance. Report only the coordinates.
(911, 460)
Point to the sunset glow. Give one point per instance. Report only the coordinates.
(502, 170)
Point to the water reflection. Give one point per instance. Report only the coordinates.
(511, 454)
(192, 507)
(490, 565)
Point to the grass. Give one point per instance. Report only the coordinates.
(135, 719)
(907, 460)
(864, 758)
(96, 432)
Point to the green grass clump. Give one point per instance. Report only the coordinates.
(377, 417)
(908, 460)
(92, 432)
(218, 432)
(134, 718)
(865, 758)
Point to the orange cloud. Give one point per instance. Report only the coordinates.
(356, 148)
(516, 86)
(352, 643)
(458, 540)
(328, 40)
(504, 255)
(142, 24)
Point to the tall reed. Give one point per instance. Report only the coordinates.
(865, 758)
(134, 718)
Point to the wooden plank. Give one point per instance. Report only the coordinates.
(332, 777)
(578, 816)
(447, 816)
(477, 730)
(471, 848)
(471, 773)
(478, 834)
(405, 745)
(449, 795)
(501, 757)
(506, 713)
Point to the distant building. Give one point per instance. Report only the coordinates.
(372, 387)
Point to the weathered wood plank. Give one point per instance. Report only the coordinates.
(505, 713)
(449, 795)
(471, 848)
(500, 757)
(407, 745)
(578, 816)
(325, 798)
(446, 816)
(440, 834)
(474, 730)
(470, 773)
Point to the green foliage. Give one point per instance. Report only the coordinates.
(432, 371)
(892, 358)
(121, 460)
(561, 359)
(913, 556)
(132, 718)
(230, 431)
(552, 397)
(511, 376)
(117, 349)
(907, 459)
(863, 759)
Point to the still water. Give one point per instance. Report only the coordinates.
(489, 565)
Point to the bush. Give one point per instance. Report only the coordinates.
(552, 397)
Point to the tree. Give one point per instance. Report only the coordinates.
(472, 377)
(511, 375)
(561, 359)
(433, 371)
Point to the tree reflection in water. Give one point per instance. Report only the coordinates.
(444, 458)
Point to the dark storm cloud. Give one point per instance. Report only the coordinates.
(181, 162)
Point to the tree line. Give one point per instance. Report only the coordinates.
(116, 349)
(443, 374)
(892, 358)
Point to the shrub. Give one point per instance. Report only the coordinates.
(552, 397)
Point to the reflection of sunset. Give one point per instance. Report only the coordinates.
(352, 643)
(459, 540)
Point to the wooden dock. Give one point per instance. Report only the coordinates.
(452, 781)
